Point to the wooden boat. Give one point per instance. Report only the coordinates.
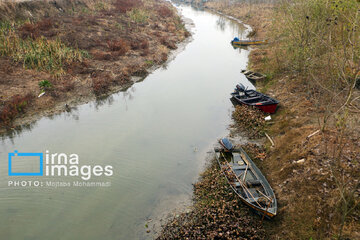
(254, 98)
(253, 76)
(246, 72)
(247, 181)
(237, 41)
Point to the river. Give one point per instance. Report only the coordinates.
(155, 135)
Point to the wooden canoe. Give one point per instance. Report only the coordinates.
(253, 76)
(247, 181)
(248, 42)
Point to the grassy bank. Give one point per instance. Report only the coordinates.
(312, 67)
(84, 49)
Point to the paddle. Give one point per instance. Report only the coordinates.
(246, 190)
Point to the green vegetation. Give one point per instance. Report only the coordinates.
(138, 15)
(100, 6)
(39, 53)
(44, 85)
(149, 62)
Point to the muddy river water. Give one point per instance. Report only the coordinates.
(154, 136)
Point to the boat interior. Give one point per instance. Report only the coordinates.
(247, 181)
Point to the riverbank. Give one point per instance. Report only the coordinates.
(313, 165)
(77, 52)
(217, 212)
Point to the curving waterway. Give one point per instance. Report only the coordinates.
(155, 135)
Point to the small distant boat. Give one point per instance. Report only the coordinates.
(237, 41)
(254, 98)
(253, 76)
(226, 144)
(247, 181)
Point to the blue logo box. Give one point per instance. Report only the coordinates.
(16, 153)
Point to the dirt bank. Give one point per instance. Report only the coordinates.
(78, 51)
(313, 170)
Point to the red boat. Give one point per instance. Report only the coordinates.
(254, 98)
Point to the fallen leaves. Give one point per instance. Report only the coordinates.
(217, 213)
(250, 119)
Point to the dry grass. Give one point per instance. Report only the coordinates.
(119, 47)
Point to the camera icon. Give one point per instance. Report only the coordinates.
(25, 164)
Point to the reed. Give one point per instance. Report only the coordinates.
(41, 54)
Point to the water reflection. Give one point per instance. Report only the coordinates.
(103, 100)
(72, 112)
(13, 133)
(239, 47)
(221, 23)
(235, 28)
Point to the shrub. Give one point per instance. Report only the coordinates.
(100, 55)
(126, 5)
(318, 33)
(45, 24)
(119, 46)
(164, 11)
(144, 44)
(145, 52)
(135, 45)
(33, 30)
(138, 44)
(13, 107)
(68, 86)
(29, 30)
(167, 42)
(101, 84)
(145, 47)
(164, 57)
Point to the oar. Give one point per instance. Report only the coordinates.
(247, 166)
(235, 175)
(241, 183)
(264, 213)
(268, 198)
